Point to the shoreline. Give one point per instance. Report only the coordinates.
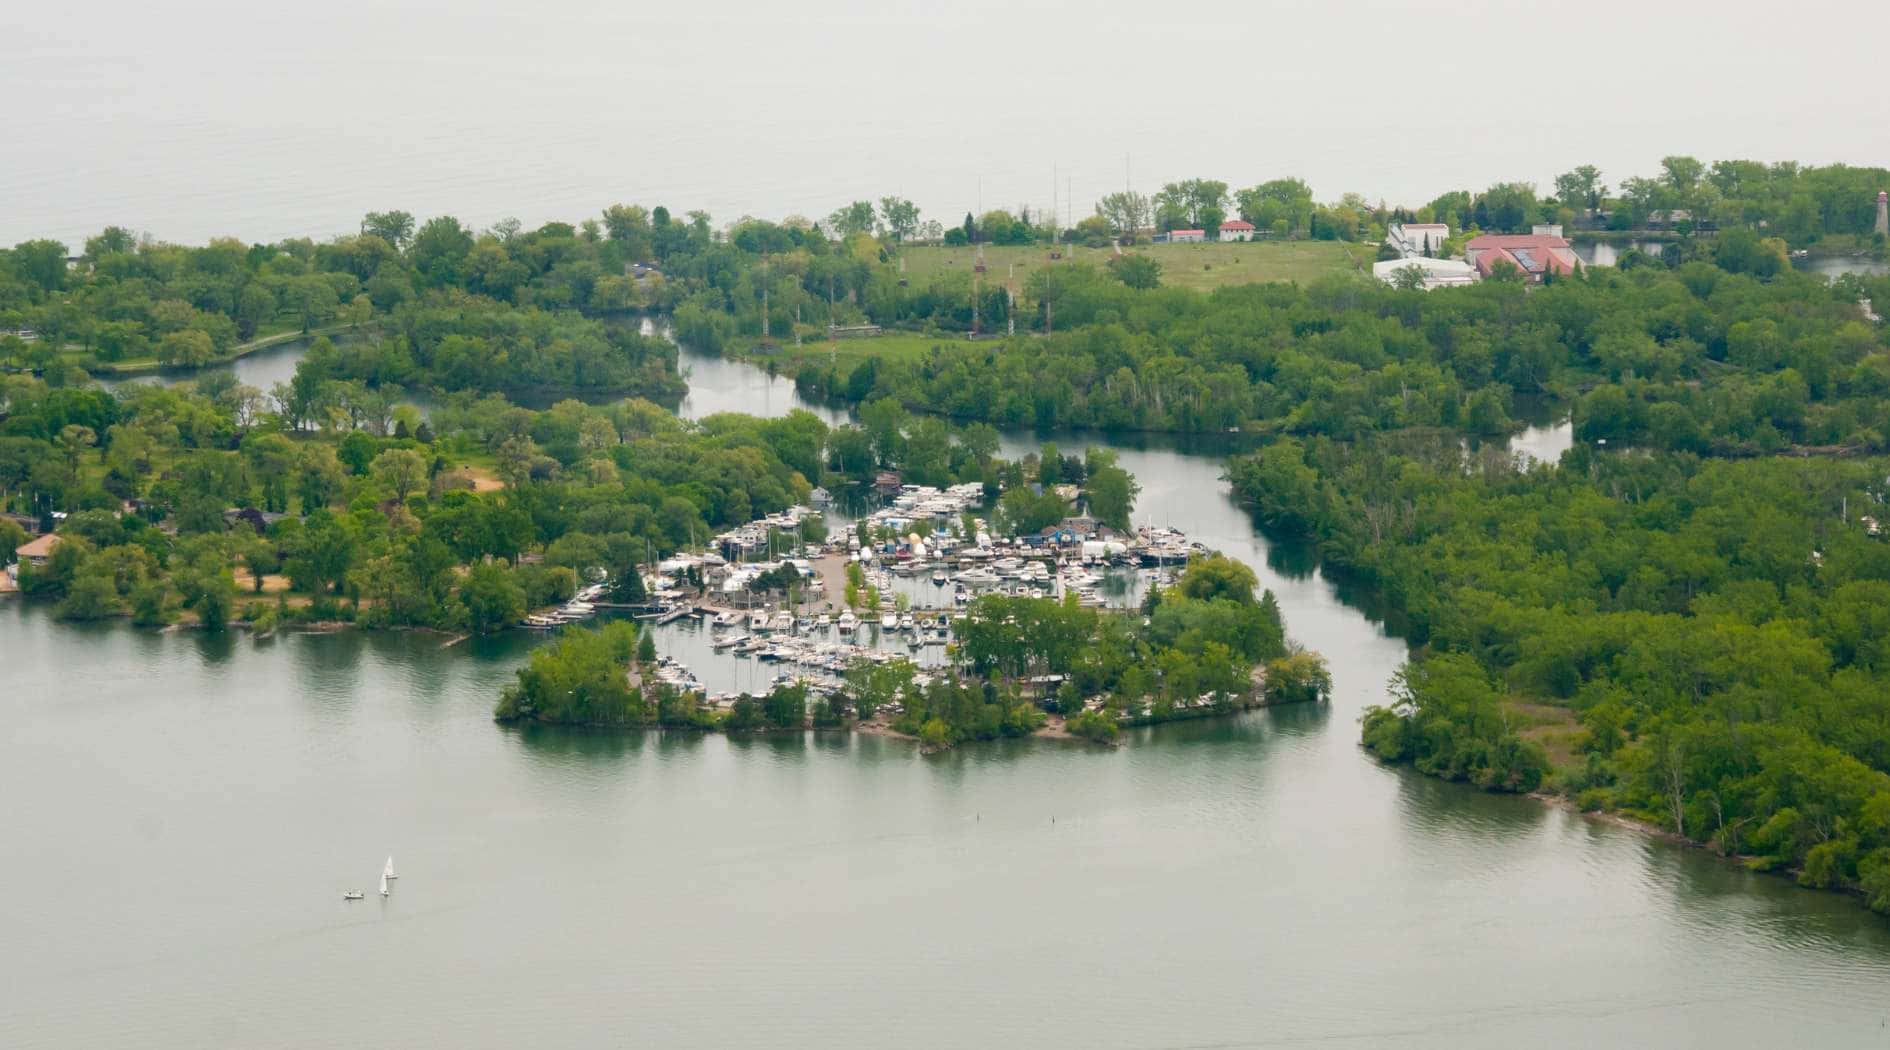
(1613, 818)
(116, 370)
(1643, 828)
(772, 362)
(1053, 728)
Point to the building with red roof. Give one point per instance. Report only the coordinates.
(1534, 255)
(1237, 230)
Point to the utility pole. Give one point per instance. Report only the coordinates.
(764, 301)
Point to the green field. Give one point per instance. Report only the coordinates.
(846, 353)
(1202, 267)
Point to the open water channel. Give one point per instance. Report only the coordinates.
(184, 811)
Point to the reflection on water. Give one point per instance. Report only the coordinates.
(262, 369)
(566, 744)
(717, 384)
(1203, 856)
(1839, 265)
(197, 803)
(1605, 253)
(1293, 556)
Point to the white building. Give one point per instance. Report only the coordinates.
(1186, 236)
(1433, 273)
(1236, 230)
(1413, 239)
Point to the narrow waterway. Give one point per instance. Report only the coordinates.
(186, 810)
(1607, 253)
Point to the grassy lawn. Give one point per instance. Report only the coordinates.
(1555, 728)
(1202, 267)
(846, 353)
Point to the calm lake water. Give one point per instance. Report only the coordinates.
(1603, 253)
(186, 810)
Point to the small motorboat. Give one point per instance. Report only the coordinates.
(352, 895)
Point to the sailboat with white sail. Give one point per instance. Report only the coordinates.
(388, 872)
(383, 885)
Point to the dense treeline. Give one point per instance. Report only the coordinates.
(585, 677)
(465, 519)
(1199, 647)
(1697, 357)
(123, 299)
(454, 341)
(1801, 204)
(1707, 637)
(164, 490)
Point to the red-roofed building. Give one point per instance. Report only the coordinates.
(1186, 236)
(1534, 255)
(35, 553)
(1236, 230)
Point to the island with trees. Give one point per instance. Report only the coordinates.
(1206, 646)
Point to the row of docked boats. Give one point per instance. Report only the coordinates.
(1022, 576)
(763, 627)
(823, 659)
(582, 606)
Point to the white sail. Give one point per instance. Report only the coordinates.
(383, 885)
(388, 872)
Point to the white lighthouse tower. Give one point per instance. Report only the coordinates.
(1883, 213)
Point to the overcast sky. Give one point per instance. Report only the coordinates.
(196, 118)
